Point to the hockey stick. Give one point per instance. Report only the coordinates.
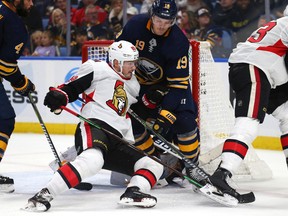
(242, 198)
(80, 186)
(208, 190)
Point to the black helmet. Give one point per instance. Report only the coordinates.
(165, 9)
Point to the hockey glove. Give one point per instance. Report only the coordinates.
(154, 96)
(56, 98)
(24, 87)
(164, 122)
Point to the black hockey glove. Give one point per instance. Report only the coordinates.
(56, 98)
(163, 122)
(154, 96)
(24, 87)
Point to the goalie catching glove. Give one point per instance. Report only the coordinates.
(164, 122)
(24, 86)
(154, 96)
(56, 98)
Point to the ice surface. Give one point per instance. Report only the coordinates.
(28, 155)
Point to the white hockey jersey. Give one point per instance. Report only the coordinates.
(266, 49)
(109, 96)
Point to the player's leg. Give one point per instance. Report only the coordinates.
(278, 106)
(7, 122)
(252, 90)
(88, 163)
(144, 173)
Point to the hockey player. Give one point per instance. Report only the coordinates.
(110, 89)
(163, 74)
(13, 37)
(258, 75)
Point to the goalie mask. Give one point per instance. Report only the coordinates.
(122, 51)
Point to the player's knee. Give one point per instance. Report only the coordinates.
(245, 129)
(89, 162)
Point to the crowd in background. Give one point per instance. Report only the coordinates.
(223, 23)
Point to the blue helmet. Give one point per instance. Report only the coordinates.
(165, 9)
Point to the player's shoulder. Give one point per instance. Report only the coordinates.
(177, 40)
(6, 12)
(139, 20)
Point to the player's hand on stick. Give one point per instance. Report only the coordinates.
(154, 96)
(163, 122)
(56, 98)
(24, 86)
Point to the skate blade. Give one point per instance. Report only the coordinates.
(145, 202)
(32, 207)
(7, 188)
(212, 193)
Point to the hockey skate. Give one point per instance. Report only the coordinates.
(6, 184)
(40, 202)
(219, 179)
(134, 197)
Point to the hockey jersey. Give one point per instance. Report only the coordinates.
(162, 60)
(13, 37)
(108, 95)
(266, 48)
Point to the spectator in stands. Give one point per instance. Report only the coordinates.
(115, 17)
(187, 22)
(263, 20)
(80, 38)
(146, 5)
(194, 5)
(223, 13)
(245, 19)
(47, 47)
(59, 27)
(132, 11)
(95, 29)
(207, 31)
(35, 40)
(79, 17)
(61, 4)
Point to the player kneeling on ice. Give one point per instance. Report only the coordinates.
(113, 88)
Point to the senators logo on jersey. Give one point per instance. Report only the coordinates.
(119, 101)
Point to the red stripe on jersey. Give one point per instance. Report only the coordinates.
(69, 175)
(257, 93)
(88, 135)
(278, 48)
(284, 141)
(148, 175)
(236, 147)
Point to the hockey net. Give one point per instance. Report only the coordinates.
(216, 115)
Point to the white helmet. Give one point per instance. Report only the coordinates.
(122, 51)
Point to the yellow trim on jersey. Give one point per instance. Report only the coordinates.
(178, 79)
(7, 69)
(9, 5)
(4, 135)
(192, 137)
(3, 145)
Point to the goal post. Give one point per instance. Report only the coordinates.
(216, 114)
